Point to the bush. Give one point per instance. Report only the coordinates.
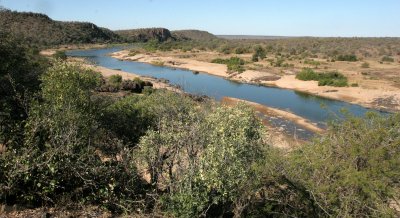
(387, 59)
(365, 65)
(350, 58)
(60, 55)
(20, 69)
(259, 53)
(324, 79)
(66, 158)
(234, 64)
(193, 144)
(353, 170)
(307, 75)
(115, 80)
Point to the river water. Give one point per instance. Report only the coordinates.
(316, 109)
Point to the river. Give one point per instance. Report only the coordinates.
(316, 109)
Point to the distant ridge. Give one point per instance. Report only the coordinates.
(193, 35)
(145, 34)
(40, 29)
(252, 37)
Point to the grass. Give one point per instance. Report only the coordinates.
(335, 79)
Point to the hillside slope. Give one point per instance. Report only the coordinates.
(193, 35)
(40, 29)
(145, 34)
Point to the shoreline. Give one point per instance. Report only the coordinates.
(276, 112)
(381, 100)
(279, 139)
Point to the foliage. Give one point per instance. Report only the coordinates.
(350, 58)
(115, 80)
(64, 155)
(39, 29)
(259, 54)
(60, 55)
(324, 79)
(365, 65)
(185, 154)
(353, 171)
(115, 84)
(20, 68)
(234, 64)
(312, 62)
(387, 59)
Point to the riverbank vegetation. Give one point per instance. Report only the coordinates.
(324, 79)
(67, 145)
(234, 64)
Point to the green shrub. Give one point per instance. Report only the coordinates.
(234, 64)
(354, 169)
(350, 58)
(115, 80)
(312, 62)
(324, 79)
(365, 65)
(67, 158)
(60, 55)
(307, 75)
(20, 69)
(259, 53)
(193, 144)
(387, 59)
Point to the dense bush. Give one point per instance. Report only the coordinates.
(353, 171)
(60, 55)
(387, 59)
(20, 68)
(185, 154)
(350, 58)
(259, 54)
(115, 84)
(66, 158)
(234, 64)
(324, 79)
(39, 29)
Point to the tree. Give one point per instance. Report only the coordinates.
(20, 69)
(259, 53)
(64, 157)
(205, 161)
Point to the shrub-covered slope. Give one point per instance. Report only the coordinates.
(40, 29)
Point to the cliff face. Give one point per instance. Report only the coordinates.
(40, 29)
(146, 34)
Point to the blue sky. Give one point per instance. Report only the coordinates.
(235, 17)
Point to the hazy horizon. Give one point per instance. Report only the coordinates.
(290, 18)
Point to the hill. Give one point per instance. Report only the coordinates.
(193, 35)
(40, 29)
(145, 34)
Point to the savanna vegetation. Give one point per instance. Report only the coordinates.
(42, 31)
(324, 79)
(67, 144)
(234, 64)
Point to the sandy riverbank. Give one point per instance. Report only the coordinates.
(385, 98)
